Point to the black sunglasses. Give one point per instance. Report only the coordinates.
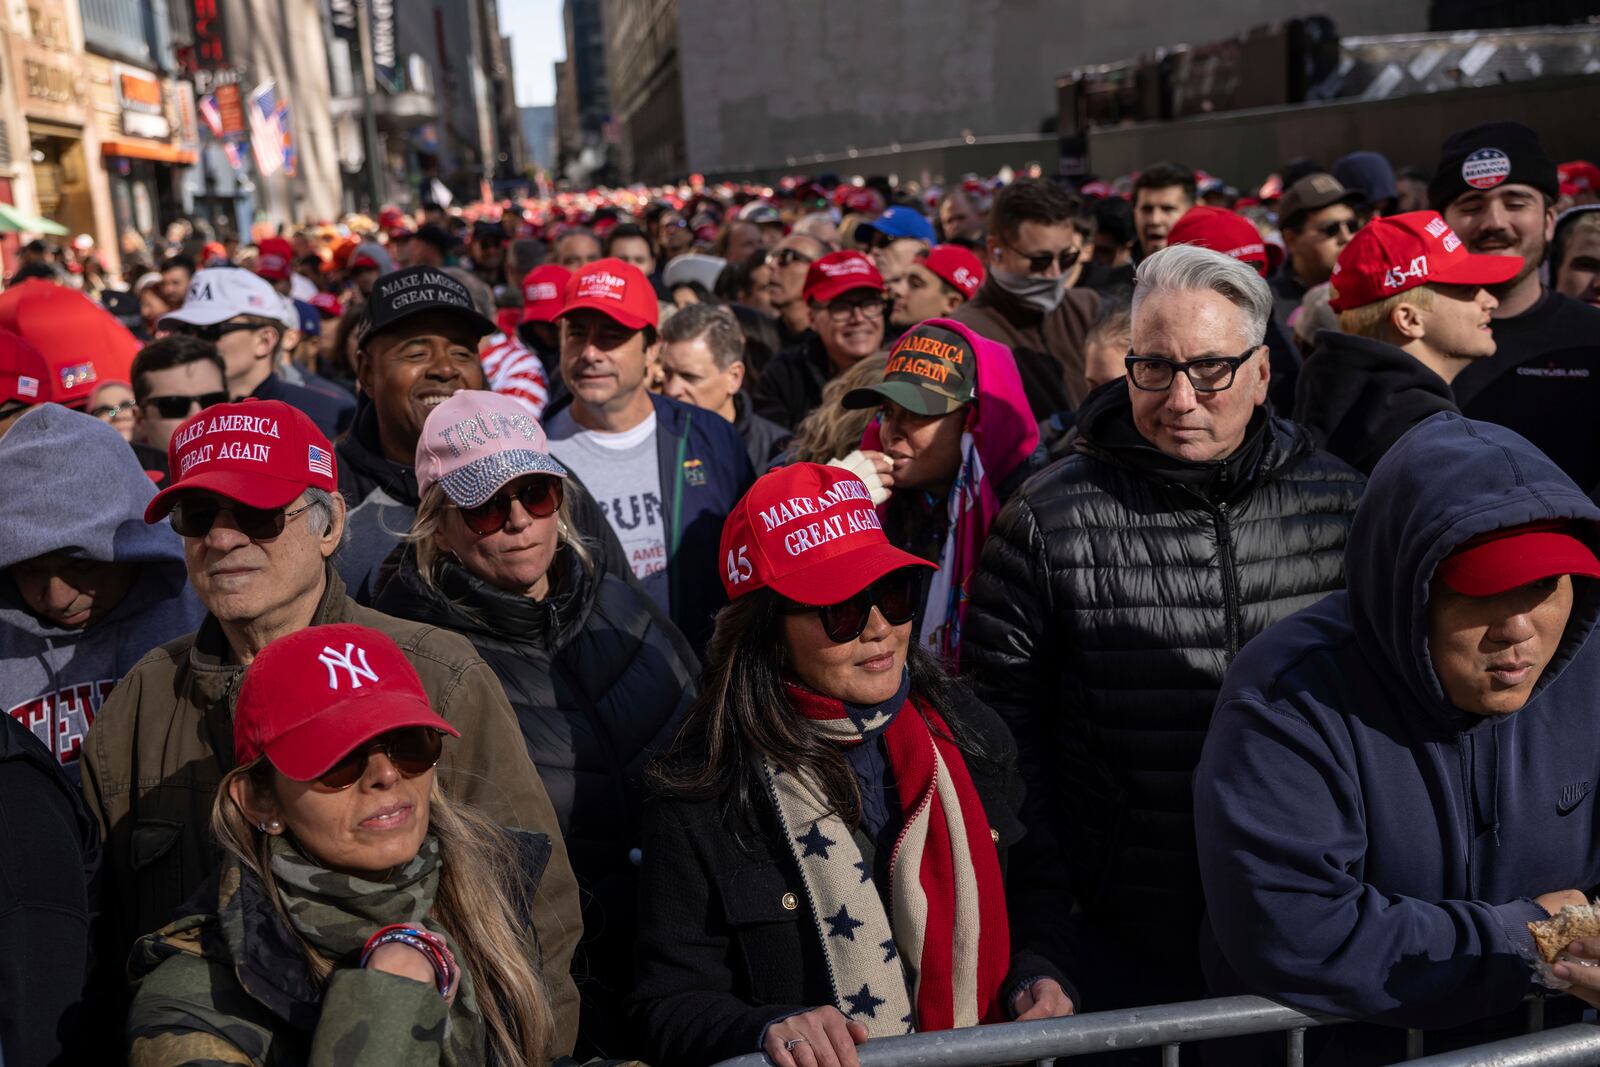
(539, 497)
(178, 407)
(194, 516)
(413, 750)
(785, 256)
(895, 595)
(1040, 262)
(1331, 229)
(216, 331)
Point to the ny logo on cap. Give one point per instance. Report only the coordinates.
(346, 661)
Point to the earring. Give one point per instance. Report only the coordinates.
(272, 826)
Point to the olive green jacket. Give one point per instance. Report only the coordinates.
(164, 738)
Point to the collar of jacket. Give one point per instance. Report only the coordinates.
(461, 601)
(363, 451)
(1106, 432)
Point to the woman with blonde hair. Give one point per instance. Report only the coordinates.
(359, 917)
(597, 675)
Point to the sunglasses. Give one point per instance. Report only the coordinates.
(1332, 229)
(413, 750)
(785, 256)
(178, 407)
(1040, 262)
(894, 595)
(195, 517)
(539, 497)
(215, 332)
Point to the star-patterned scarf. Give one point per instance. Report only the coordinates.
(938, 961)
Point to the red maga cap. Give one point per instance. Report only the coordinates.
(836, 274)
(1494, 562)
(955, 265)
(276, 258)
(616, 289)
(807, 532)
(543, 293)
(261, 453)
(1223, 231)
(1391, 255)
(312, 697)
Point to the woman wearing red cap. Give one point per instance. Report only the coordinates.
(828, 861)
(359, 916)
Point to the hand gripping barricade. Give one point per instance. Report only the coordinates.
(1169, 1026)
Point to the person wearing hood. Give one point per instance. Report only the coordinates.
(1117, 584)
(1398, 779)
(596, 673)
(418, 346)
(1414, 311)
(1024, 302)
(953, 421)
(1369, 174)
(88, 588)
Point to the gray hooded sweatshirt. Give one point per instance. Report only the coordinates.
(70, 483)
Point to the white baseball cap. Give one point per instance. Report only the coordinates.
(218, 294)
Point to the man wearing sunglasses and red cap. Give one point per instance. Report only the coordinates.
(1398, 779)
(255, 498)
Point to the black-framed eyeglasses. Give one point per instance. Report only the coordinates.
(179, 407)
(894, 595)
(1332, 229)
(539, 496)
(413, 750)
(785, 256)
(871, 310)
(214, 332)
(193, 516)
(1211, 374)
(1040, 262)
(109, 412)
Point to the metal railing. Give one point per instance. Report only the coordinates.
(1165, 1025)
(1577, 1045)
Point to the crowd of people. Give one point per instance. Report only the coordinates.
(668, 624)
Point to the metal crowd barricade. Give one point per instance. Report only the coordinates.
(1577, 1045)
(1165, 1025)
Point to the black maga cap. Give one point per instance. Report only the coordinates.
(414, 291)
(1489, 155)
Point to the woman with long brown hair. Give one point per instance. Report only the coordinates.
(359, 917)
(827, 861)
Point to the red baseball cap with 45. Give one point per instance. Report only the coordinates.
(836, 274)
(261, 453)
(1391, 255)
(616, 289)
(809, 533)
(312, 697)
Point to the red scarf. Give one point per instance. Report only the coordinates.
(949, 926)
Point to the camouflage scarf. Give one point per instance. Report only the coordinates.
(337, 912)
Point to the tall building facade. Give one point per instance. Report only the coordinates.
(586, 134)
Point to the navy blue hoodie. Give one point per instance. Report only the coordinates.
(1367, 849)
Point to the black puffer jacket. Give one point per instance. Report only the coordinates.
(1115, 588)
(598, 678)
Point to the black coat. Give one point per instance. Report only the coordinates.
(1115, 587)
(598, 678)
(727, 941)
(791, 385)
(764, 439)
(1357, 396)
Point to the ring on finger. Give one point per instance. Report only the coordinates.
(794, 1042)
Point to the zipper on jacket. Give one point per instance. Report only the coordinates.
(1230, 580)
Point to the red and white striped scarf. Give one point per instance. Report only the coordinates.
(940, 962)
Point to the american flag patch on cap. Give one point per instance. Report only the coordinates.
(319, 461)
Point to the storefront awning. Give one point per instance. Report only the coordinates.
(161, 153)
(15, 220)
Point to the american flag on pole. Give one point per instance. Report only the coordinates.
(267, 129)
(319, 461)
(211, 114)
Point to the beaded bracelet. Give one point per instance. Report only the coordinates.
(430, 944)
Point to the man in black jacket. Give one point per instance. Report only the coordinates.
(1117, 585)
(1413, 313)
(1497, 187)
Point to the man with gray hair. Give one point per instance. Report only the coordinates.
(255, 499)
(1118, 584)
(702, 362)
